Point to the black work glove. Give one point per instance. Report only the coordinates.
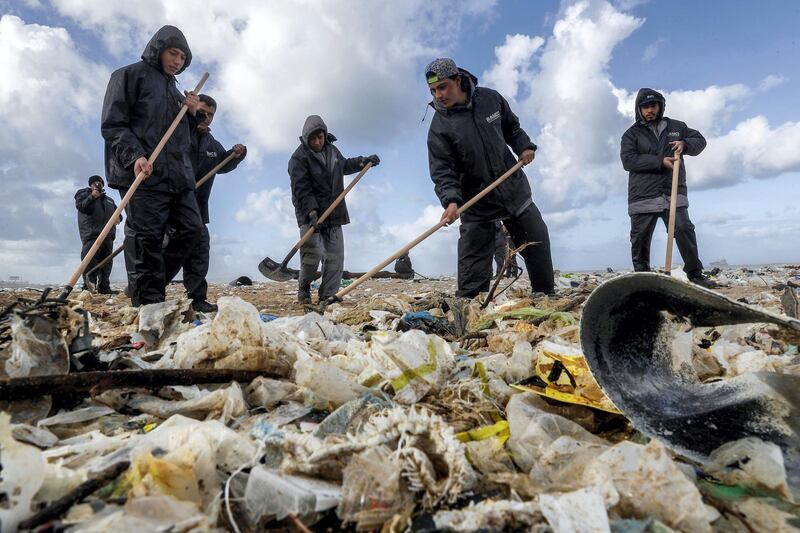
(374, 159)
(312, 219)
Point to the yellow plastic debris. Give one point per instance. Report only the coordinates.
(573, 383)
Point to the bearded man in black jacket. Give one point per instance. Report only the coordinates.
(141, 102)
(95, 208)
(649, 150)
(468, 148)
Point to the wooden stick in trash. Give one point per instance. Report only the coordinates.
(125, 199)
(214, 170)
(673, 201)
(59, 507)
(339, 295)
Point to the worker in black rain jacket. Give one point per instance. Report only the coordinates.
(95, 208)
(316, 170)
(468, 148)
(206, 153)
(648, 151)
(141, 101)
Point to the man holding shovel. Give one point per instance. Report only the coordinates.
(95, 207)
(140, 103)
(468, 147)
(650, 148)
(206, 153)
(317, 170)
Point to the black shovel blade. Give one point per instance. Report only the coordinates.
(272, 270)
(626, 337)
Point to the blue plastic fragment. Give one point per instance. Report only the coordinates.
(267, 318)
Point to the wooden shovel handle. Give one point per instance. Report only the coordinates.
(673, 203)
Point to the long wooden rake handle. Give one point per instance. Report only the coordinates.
(125, 199)
(428, 233)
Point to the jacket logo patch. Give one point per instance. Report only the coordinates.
(674, 134)
(494, 116)
(211, 154)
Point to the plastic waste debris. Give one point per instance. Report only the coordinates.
(533, 430)
(271, 493)
(37, 348)
(147, 513)
(566, 377)
(327, 381)
(492, 515)
(39, 437)
(223, 404)
(649, 484)
(267, 392)
(750, 462)
(373, 489)
(236, 339)
(432, 458)
(581, 511)
(22, 468)
(427, 323)
(161, 323)
(415, 364)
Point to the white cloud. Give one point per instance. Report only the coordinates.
(48, 100)
(270, 209)
(771, 81)
(652, 49)
(513, 60)
(272, 64)
(571, 97)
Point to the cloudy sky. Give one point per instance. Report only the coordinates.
(570, 69)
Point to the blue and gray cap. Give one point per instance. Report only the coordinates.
(440, 69)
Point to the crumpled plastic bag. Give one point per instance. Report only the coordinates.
(148, 513)
(372, 489)
(222, 404)
(161, 323)
(516, 367)
(415, 364)
(581, 511)
(533, 430)
(649, 484)
(22, 469)
(750, 462)
(236, 338)
(327, 381)
(193, 450)
(268, 392)
(37, 348)
(272, 493)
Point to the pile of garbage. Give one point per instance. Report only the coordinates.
(417, 411)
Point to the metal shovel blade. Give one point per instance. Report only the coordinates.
(625, 336)
(275, 271)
